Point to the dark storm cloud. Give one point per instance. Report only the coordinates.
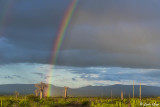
(34, 24)
(102, 33)
(30, 33)
(115, 33)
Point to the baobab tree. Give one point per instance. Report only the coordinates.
(121, 95)
(65, 92)
(16, 94)
(41, 86)
(36, 92)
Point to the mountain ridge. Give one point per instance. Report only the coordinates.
(87, 91)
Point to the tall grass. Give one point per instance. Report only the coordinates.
(34, 101)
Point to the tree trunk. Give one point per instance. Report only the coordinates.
(65, 93)
(121, 95)
(41, 94)
(36, 94)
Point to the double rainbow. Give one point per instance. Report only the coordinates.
(59, 39)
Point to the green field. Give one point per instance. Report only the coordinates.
(33, 101)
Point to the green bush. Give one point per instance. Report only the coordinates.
(33, 98)
(8, 103)
(85, 103)
(24, 103)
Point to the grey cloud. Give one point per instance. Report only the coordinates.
(117, 76)
(154, 74)
(11, 53)
(73, 79)
(8, 77)
(125, 10)
(18, 76)
(40, 74)
(127, 39)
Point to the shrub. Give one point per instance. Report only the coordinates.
(33, 98)
(24, 103)
(85, 103)
(8, 103)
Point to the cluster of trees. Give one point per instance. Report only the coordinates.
(40, 89)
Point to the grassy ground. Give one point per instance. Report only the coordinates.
(33, 101)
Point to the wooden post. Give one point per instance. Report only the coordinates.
(133, 88)
(111, 94)
(140, 92)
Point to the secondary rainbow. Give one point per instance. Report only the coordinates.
(6, 13)
(59, 40)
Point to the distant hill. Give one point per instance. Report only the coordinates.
(88, 91)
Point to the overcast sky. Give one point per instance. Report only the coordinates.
(107, 42)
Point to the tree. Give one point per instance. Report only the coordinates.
(41, 86)
(121, 95)
(36, 92)
(16, 94)
(65, 92)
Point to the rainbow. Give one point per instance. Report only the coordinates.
(59, 39)
(4, 18)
